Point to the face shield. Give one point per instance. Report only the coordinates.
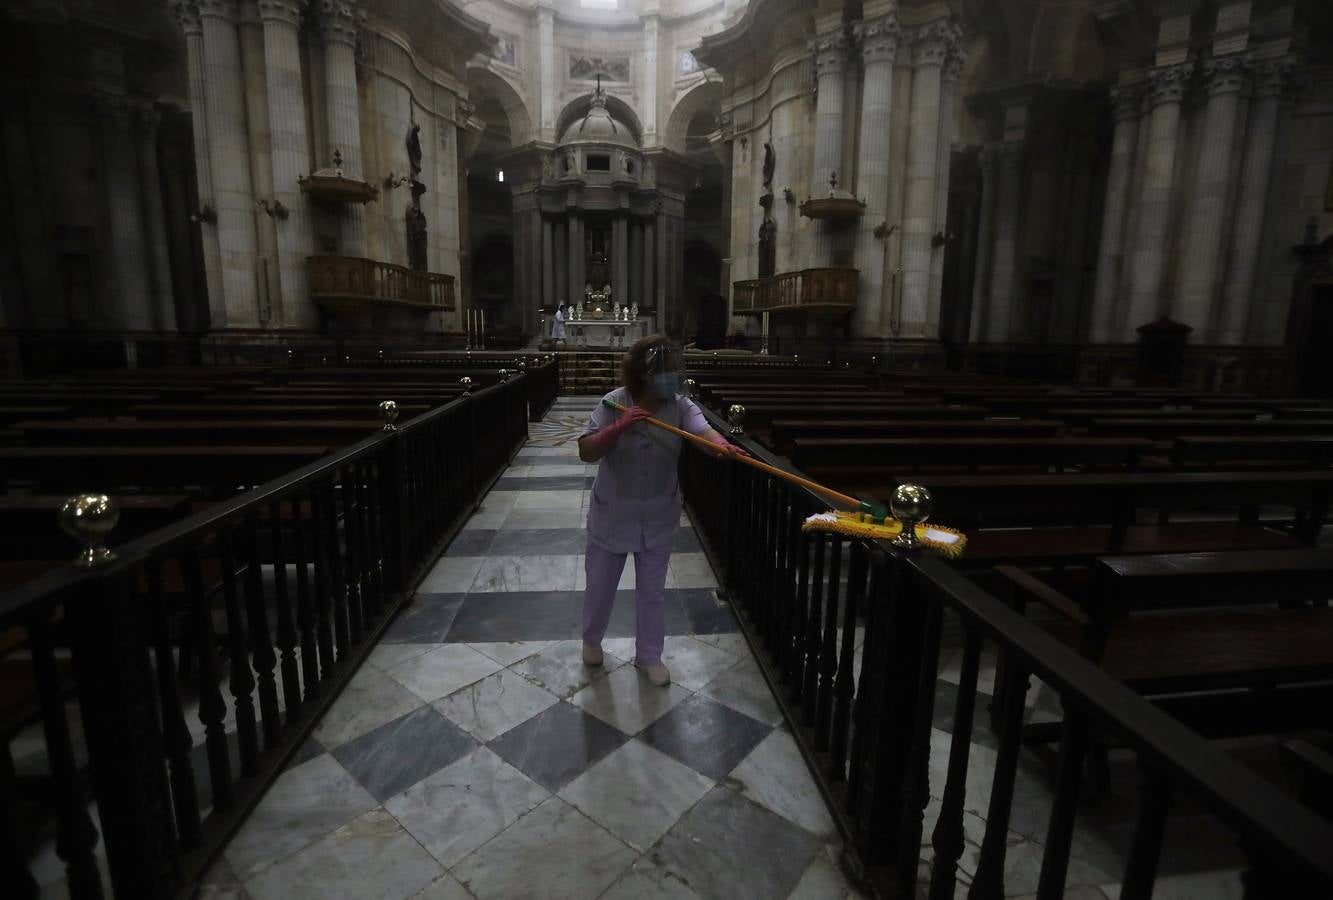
(662, 370)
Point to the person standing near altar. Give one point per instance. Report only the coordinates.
(558, 328)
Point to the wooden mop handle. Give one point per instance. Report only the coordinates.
(835, 496)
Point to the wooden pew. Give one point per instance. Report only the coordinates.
(1168, 429)
(972, 453)
(260, 409)
(248, 432)
(1253, 451)
(221, 468)
(783, 432)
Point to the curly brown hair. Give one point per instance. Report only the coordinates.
(635, 359)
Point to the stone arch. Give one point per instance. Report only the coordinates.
(621, 111)
(484, 84)
(709, 93)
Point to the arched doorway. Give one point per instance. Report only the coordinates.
(493, 280)
(706, 320)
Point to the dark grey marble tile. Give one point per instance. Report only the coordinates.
(725, 834)
(472, 542)
(425, 621)
(545, 483)
(624, 615)
(708, 737)
(705, 613)
(518, 616)
(946, 701)
(309, 750)
(562, 459)
(556, 746)
(686, 541)
(539, 542)
(395, 756)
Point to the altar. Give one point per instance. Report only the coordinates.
(598, 334)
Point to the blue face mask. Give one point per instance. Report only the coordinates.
(666, 385)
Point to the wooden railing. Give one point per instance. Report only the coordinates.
(808, 288)
(232, 631)
(864, 716)
(344, 278)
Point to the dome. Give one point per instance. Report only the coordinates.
(598, 126)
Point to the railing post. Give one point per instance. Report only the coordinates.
(393, 488)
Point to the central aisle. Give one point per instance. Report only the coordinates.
(474, 755)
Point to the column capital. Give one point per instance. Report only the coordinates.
(989, 155)
(1168, 84)
(953, 63)
(1274, 77)
(934, 42)
(1126, 101)
(339, 21)
(217, 9)
(286, 12)
(1225, 74)
(830, 51)
(116, 110)
(879, 39)
(1011, 154)
(148, 117)
(187, 16)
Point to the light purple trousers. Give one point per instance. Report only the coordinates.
(603, 569)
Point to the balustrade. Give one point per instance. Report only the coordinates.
(340, 279)
(807, 289)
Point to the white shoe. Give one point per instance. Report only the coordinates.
(657, 673)
(592, 654)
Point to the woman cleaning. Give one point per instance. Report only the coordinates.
(635, 506)
(558, 327)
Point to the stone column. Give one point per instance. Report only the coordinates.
(943, 160)
(1224, 78)
(575, 259)
(1125, 104)
(290, 157)
(546, 67)
(635, 294)
(830, 52)
(649, 299)
(648, 79)
(155, 222)
(978, 326)
(619, 259)
(1008, 205)
(548, 262)
(1148, 258)
(879, 47)
(1271, 80)
(129, 255)
(338, 20)
(187, 14)
(559, 244)
(229, 158)
(931, 47)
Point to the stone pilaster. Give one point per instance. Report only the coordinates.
(649, 298)
(129, 254)
(648, 79)
(635, 294)
(1126, 103)
(879, 40)
(1224, 79)
(953, 65)
(619, 259)
(576, 259)
(187, 14)
(932, 45)
(155, 223)
(1271, 80)
(290, 157)
(978, 326)
(1148, 259)
(229, 158)
(830, 52)
(546, 67)
(338, 24)
(1004, 262)
(548, 262)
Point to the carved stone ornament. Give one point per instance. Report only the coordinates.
(1169, 83)
(770, 163)
(217, 9)
(1011, 154)
(830, 51)
(1274, 77)
(935, 42)
(1225, 75)
(286, 11)
(187, 16)
(879, 39)
(1126, 101)
(339, 20)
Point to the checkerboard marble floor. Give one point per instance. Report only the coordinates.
(474, 755)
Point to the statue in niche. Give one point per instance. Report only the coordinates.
(768, 247)
(416, 238)
(414, 149)
(769, 165)
(548, 168)
(571, 162)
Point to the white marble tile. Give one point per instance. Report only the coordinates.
(742, 687)
(370, 858)
(506, 653)
(627, 700)
(1093, 893)
(545, 518)
(497, 703)
(637, 793)
(775, 776)
(451, 575)
(520, 470)
(562, 471)
(370, 699)
(462, 806)
(560, 669)
(735, 644)
(442, 671)
(824, 880)
(646, 881)
(549, 500)
(953, 669)
(489, 519)
(304, 804)
(446, 887)
(537, 850)
(694, 663)
(529, 573)
(387, 656)
(691, 570)
(621, 647)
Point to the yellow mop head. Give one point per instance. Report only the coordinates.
(945, 541)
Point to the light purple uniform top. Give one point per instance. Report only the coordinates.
(636, 498)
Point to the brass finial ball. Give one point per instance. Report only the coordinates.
(89, 518)
(736, 418)
(504, 376)
(466, 382)
(911, 503)
(389, 414)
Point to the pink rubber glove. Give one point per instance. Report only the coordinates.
(726, 448)
(609, 436)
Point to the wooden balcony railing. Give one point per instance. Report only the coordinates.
(341, 279)
(806, 289)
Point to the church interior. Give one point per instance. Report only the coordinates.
(980, 345)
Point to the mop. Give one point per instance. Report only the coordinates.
(860, 518)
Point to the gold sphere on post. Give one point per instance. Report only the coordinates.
(910, 504)
(466, 382)
(736, 418)
(504, 376)
(389, 415)
(692, 387)
(89, 518)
